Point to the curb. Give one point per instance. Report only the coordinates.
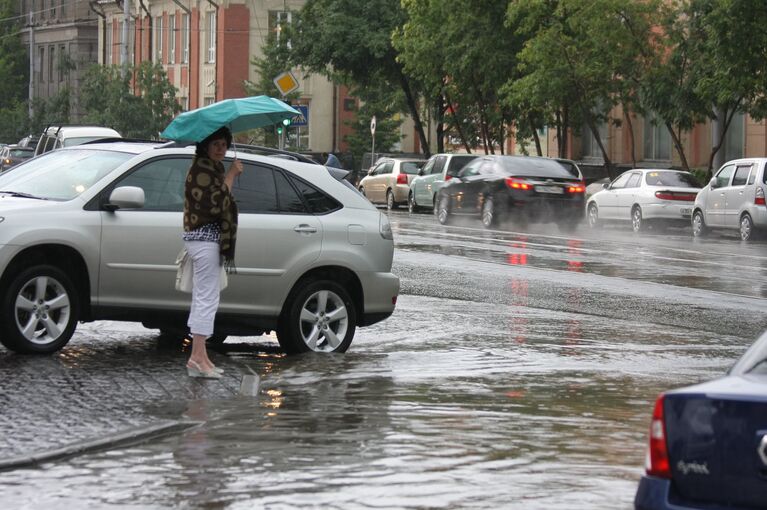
(119, 439)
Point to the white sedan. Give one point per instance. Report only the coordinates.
(644, 196)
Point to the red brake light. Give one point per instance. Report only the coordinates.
(514, 183)
(448, 177)
(577, 188)
(759, 199)
(675, 195)
(401, 178)
(657, 454)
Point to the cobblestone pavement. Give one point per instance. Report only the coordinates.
(110, 378)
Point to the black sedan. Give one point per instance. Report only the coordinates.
(519, 189)
(12, 155)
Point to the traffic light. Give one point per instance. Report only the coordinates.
(282, 126)
(286, 122)
(279, 129)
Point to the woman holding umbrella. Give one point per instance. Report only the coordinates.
(210, 233)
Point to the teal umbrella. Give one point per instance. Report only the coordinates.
(238, 115)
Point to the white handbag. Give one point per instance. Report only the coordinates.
(185, 273)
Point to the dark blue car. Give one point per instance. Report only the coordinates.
(708, 442)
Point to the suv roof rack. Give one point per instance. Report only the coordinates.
(120, 139)
(271, 151)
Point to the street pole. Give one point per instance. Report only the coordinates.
(124, 53)
(373, 135)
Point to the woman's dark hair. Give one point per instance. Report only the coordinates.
(222, 132)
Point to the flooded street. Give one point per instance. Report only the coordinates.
(519, 370)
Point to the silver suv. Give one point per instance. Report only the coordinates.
(733, 199)
(55, 137)
(92, 232)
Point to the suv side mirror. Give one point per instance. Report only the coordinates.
(125, 197)
(714, 182)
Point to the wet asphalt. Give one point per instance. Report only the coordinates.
(518, 371)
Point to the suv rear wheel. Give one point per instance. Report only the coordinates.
(320, 317)
(39, 311)
(747, 228)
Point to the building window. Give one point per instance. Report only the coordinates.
(211, 37)
(63, 62)
(208, 100)
(40, 63)
(277, 21)
(63, 8)
(172, 39)
(158, 39)
(51, 63)
(108, 45)
(53, 9)
(185, 38)
(657, 139)
(120, 32)
(734, 138)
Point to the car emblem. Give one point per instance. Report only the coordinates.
(762, 449)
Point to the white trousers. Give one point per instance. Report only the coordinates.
(206, 286)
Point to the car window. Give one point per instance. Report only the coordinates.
(428, 168)
(470, 169)
(754, 361)
(387, 168)
(723, 176)
(288, 200)
(764, 174)
(487, 168)
(255, 190)
(457, 163)
(317, 200)
(78, 140)
(634, 180)
(162, 181)
(570, 167)
(741, 175)
(410, 167)
(621, 181)
(20, 153)
(439, 165)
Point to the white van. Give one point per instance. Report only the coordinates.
(55, 137)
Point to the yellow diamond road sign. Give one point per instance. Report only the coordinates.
(286, 83)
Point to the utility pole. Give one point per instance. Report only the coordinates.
(31, 61)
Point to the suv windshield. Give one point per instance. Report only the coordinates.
(61, 175)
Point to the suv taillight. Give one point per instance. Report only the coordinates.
(401, 178)
(657, 452)
(759, 199)
(384, 227)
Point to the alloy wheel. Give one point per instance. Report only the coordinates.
(746, 228)
(593, 216)
(42, 310)
(324, 321)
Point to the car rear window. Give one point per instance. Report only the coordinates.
(79, 140)
(411, 167)
(571, 168)
(534, 167)
(675, 179)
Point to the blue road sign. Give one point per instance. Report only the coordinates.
(303, 119)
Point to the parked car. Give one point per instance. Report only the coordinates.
(644, 196)
(520, 189)
(55, 137)
(29, 141)
(708, 442)
(734, 199)
(437, 170)
(388, 181)
(12, 155)
(92, 232)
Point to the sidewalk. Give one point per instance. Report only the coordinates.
(111, 382)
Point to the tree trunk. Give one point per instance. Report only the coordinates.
(598, 138)
(727, 121)
(677, 139)
(440, 120)
(630, 124)
(535, 137)
(413, 107)
(457, 125)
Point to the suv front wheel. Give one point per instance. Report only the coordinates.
(39, 311)
(320, 316)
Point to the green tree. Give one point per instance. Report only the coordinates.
(138, 104)
(577, 58)
(14, 75)
(350, 41)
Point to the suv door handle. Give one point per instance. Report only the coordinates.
(303, 228)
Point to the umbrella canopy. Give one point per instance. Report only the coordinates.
(238, 115)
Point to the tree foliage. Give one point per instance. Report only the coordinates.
(350, 41)
(14, 75)
(138, 104)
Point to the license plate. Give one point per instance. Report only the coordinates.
(550, 189)
(686, 211)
